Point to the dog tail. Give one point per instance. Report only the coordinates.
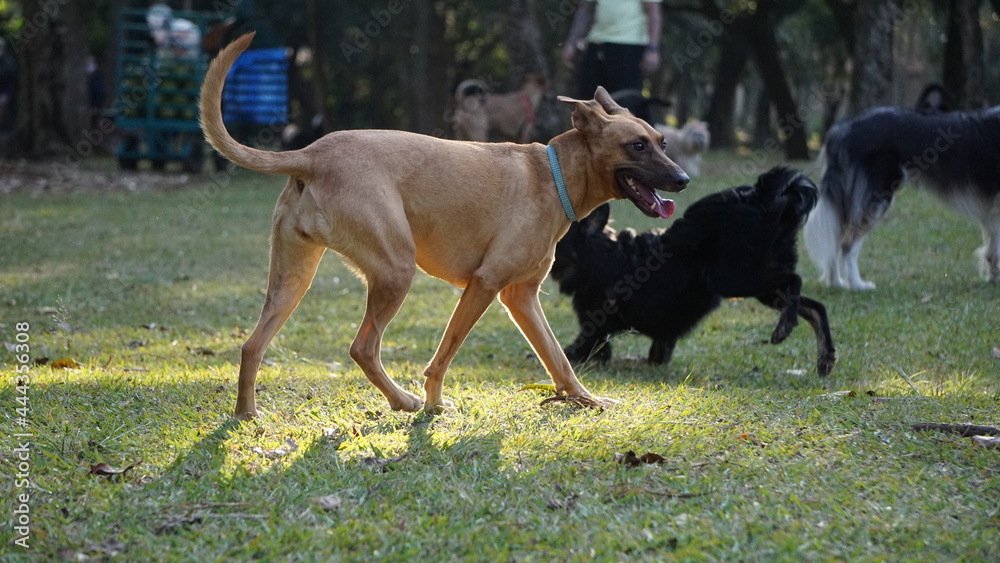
(471, 88)
(210, 107)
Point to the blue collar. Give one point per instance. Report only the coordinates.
(560, 184)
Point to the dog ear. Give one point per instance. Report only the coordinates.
(588, 115)
(608, 103)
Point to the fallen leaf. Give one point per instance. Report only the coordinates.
(577, 400)
(65, 363)
(10, 346)
(752, 439)
(328, 502)
(380, 463)
(290, 446)
(569, 503)
(839, 394)
(631, 460)
(175, 522)
(996, 352)
(105, 470)
(539, 386)
(986, 441)
(201, 351)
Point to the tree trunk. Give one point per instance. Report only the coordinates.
(791, 126)
(53, 103)
(964, 66)
(728, 74)
(871, 82)
(524, 41)
(319, 75)
(427, 81)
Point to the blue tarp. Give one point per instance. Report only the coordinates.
(256, 89)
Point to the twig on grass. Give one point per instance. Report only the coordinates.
(963, 430)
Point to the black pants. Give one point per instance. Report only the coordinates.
(612, 65)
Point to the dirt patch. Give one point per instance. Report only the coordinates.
(50, 177)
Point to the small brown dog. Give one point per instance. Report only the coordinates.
(513, 116)
(686, 145)
(484, 217)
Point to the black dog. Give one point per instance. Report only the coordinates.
(735, 243)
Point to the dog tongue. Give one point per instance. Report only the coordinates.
(663, 207)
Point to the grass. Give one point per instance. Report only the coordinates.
(153, 293)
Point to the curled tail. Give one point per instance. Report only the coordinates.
(290, 162)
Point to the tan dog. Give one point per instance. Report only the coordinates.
(477, 111)
(484, 217)
(686, 145)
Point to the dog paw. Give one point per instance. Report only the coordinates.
(440, 407)
(406, 402)
(862, 285)
(781, 332)
(824, 365)
(585, 401)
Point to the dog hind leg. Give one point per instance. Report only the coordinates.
(822, 233)
(850, 251)
(475, 300)
(293, 266)
(989, 252)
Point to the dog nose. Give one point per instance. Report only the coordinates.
(681, 181)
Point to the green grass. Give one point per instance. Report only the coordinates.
(153, 293)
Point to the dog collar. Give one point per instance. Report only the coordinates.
(560, 183)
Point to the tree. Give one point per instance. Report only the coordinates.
(756, 23)
(53, 103)
(964, 68)
(871, 80)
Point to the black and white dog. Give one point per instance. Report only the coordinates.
(736, 243)
(866, 159)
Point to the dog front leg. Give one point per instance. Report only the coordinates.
(815, 314)
(521, 301)
(661, 351)
(786, 300)
(386, 293)
(474, 301)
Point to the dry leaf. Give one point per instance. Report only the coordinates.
(329, 502)
(996, 352)
(379, 463)
(752, 439)
(175, 522)
(105, 470)
(986, 441)
(201, 351)
(65, 363)
(631, 460)
(290, 446)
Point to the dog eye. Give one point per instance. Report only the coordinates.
(638, 146)
(663, 144)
